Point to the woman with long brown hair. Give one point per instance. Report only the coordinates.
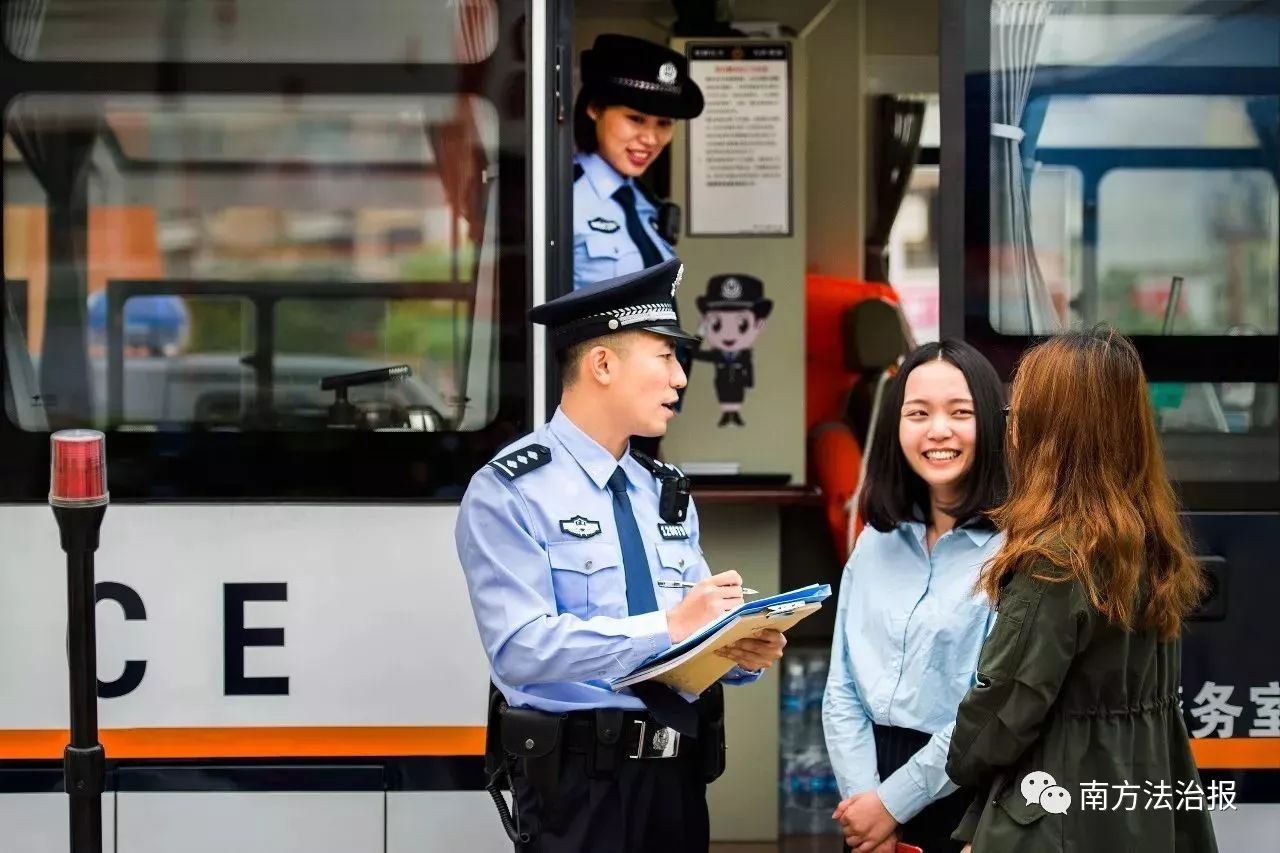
(1077, 687)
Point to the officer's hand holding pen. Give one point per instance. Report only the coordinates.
(746, 590)
(710, 599)
(705, 602)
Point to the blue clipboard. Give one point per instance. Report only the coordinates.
(780, 604)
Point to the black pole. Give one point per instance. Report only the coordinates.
(84, 762)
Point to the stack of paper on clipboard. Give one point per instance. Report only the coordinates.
(693, 666)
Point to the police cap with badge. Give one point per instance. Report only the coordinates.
(640, 301)
(643, 300)
(639, 74)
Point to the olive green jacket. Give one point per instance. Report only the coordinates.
(1062, 690)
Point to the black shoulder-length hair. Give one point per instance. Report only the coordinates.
(584, 126)
(893, 492)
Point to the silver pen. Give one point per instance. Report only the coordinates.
(746, 590)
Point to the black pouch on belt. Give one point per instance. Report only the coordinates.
(604, 759)
(711, 738)
(533, 739)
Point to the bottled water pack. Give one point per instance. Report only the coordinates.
(808, 785)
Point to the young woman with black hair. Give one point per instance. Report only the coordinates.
(909, 625)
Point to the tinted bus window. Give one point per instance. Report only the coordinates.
(281, 268)
(1176, 186)
(1121, 166)
(270, 201)
(330, 31)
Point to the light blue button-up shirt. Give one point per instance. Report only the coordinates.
(908, 632)
(602, 248)
(543, 564)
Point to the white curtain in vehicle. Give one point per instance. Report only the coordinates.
(1019, 299)
(23, 20)
(21, 392)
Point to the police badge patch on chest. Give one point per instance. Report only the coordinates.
(582, 528)
(672, 532)
(604, 226)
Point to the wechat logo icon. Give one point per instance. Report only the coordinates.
(1039, 787)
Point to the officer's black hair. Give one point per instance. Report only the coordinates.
(571, 356)
(893, 492)
(584, 126)
(568, 359)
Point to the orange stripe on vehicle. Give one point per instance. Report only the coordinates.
(1237, 753)
(370, 741)
(267, 741)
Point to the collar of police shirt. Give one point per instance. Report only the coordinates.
(604, 179)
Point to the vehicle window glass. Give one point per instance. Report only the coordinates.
(1218, 431)
(913, 253)
(1174, 190)
(1132, 179)
(331, 31)
(178, 374)
(1148, 121)
(1135, 33)
(1216, 229)
(1056, 224)
(323, 235)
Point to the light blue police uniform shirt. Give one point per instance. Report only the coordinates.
(548, 593)
(908, 632)
(602, 248)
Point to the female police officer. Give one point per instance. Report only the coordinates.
(632, 92)
(563, 538)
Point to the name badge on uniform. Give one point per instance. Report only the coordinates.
(582, 528)
(604, 226)
(672, 532)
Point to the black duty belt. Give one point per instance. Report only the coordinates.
(641, 737)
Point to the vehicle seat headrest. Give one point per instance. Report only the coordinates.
(873, 337)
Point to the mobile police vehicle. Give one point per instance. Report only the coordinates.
(354, 205)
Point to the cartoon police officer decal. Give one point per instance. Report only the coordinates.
(733, 311)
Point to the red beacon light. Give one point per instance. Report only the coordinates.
(78, 495)
(78, 469)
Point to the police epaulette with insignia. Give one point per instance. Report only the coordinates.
(657, 467)
(522, 461)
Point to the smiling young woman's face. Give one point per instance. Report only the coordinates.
(628, 139)
(938, 427)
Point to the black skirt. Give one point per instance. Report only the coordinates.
(931, 829)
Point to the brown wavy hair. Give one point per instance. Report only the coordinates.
(1088, 492)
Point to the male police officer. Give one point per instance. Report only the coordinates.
(572, 548)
